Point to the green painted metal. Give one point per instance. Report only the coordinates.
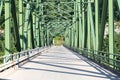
(80, 24)
(84, 25)
(16, 26)
(92, 26)
(88, 32)
(34, 28)
(48, 38)
(7, 27)
(111, 30)
(21, 23)
(42, 27)
(37, 31)
(97, 23)
(103, 22)
(76, 25)
(29, 46)
(32, 31)
(25, 32)
(37, 25)
(118, 1)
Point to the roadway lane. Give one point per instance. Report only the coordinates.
(59, 63)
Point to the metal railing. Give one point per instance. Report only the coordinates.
(102, 58)
(16, 58)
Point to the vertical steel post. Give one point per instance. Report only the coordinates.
(92, 25)
(7, 27)
(21, 23)
(37, 25)
(37, 31)
(70, 37)
(76, 23)
(89, 32)
(80, 24)
(48, 39)
(74, 26)
(41, 27)
(103, 22)
(34, 29)
(118, 1)
(84, 25)
(97, 23)
(27, 15)
(111, 30)
(29, 33)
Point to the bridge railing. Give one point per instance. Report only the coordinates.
(102, 58)
(16, 58)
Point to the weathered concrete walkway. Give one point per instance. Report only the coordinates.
(59, 63)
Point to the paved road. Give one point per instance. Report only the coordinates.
(59, 63)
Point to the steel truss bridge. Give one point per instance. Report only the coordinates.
(31, 25)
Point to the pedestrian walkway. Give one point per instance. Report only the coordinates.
(59, 63)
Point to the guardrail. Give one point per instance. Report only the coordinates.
(16, 58)
(102, 58)
(108, 59)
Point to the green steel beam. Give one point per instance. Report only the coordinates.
(48, 38)
(25, 32)
(118, 1)
(37, 26)
(73, 37)
(37, 31)
(77, 26)
(7, 27)
(97, 23)
(16, 26)
(70, 37)
(103, 22)
(21, 23)
(89, 32)
(84, 25)
(80, 24)
(29, 45)
(42, 27)
(111, 30)
(92, 25)
(34, 29)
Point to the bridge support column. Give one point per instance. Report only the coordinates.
(97, 23)
(27, 15)
(76, 24)
(21, 23)
(7, 27)
(88, 34)
(34, 28)
(111, 31)
(84, 25)
(37, 32)
(80, 34)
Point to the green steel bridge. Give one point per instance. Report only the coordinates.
(31, 26)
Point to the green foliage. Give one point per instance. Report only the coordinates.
(116, 43)
(58, 40)
(1, 54)
(2, 45)
(106, 44)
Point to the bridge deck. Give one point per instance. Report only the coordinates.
(59, 63)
